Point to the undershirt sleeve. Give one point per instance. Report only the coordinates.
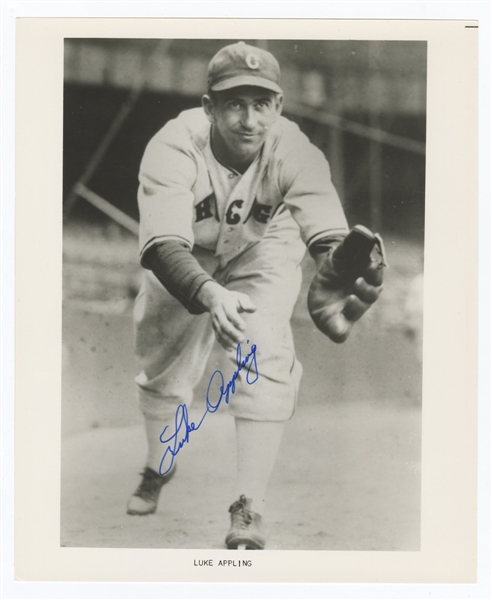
(182, 276)
(178, 271)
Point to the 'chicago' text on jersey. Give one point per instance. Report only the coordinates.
(206, 209)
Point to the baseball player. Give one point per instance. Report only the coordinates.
(230, 195)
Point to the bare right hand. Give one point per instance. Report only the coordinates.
(225, 307)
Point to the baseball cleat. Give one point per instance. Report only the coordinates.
(144, 500)
(245, 532)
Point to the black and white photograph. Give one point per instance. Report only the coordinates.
(243, 276)
(248, 260)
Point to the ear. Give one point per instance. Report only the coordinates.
(279, 104)
(208, 107)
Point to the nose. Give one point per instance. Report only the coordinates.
(249, 118)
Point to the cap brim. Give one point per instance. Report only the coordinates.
(240, 80)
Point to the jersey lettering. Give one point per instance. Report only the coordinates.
(202, 209)
(261, 212)
(233, 218)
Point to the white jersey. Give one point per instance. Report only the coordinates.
(185, 193)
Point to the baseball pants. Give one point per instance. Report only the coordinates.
(172, 346)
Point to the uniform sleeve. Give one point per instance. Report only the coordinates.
(309, 193)
(178, 271)
(165, 198)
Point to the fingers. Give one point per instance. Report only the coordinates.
(355, 308)
(229, 327)
(374, 274)
(339, 328)
(332, 322)
(238, 303)
(225, 342)
(246, 304)
(228, 333)
(366, 292)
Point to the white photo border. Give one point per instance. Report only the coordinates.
(368, 10)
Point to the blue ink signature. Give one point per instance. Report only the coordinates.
(182, 426)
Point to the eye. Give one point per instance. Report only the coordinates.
(235, 104)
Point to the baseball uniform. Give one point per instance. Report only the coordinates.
(249, 232)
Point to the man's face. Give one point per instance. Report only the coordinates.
(242, 117)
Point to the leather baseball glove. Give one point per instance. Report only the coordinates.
(347, 282)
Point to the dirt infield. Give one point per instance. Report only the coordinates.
(348, 473)
(347, 479)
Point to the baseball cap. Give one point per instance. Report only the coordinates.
(241, 64)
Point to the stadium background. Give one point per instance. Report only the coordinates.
(381, 85)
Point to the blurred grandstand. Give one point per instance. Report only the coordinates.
(363, 103)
